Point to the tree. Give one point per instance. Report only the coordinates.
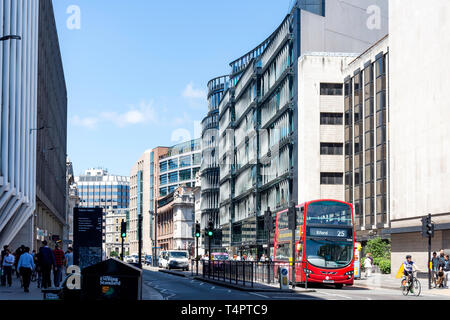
(378, 248)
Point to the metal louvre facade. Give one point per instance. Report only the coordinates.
(18, 96)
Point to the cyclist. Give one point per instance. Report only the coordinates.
(409, 267)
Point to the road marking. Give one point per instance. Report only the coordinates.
(212, 288)
(259, 295)
(202, 283)
(229, 291)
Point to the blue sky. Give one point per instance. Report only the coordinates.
(136, 71)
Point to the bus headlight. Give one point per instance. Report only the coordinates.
(349, 274)
(307, 272)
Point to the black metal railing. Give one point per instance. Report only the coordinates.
(246, 273)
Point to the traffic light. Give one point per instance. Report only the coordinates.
(210, 230)
(292, 216)
(427, 227)
(123, 229)
(197, 230)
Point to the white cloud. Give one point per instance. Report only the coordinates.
(87, 122)
(191, 93)
(144, 113)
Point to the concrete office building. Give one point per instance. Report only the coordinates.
(366, 137)
(321, 125)
(144, 188)
(419, 135)
(99, 188)
(51, 124)
(176, 220)
(113, 239)
(258, 113)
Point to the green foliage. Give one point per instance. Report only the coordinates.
(384, 265)
(378, 248)
(114, 254)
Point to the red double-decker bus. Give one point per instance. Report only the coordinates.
(324, 242)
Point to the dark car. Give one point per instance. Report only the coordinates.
(148, 260)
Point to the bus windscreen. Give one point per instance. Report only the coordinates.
(329, 213)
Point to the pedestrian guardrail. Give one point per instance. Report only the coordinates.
(246, 273)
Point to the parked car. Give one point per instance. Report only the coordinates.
(148, 260)
(175, 259)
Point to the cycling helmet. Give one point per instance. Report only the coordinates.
(408, 257)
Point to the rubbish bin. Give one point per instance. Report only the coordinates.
(111, 280)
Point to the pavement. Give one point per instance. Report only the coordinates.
(387, 281)
(15, 292)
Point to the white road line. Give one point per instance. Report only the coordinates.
(202, 283)
(213, 288)
(259, 295)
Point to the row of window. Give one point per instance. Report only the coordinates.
(331, 178)
(181, 162)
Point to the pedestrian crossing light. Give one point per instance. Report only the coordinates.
(123, 229)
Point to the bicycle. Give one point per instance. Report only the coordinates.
(411, 286)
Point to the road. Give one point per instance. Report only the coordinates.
(163, 286)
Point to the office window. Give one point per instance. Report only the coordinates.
(331, 118)
(163, 179)
(331, 148)
(334, 178)
(162, 192)
(163, 166)
(185, 175)
(197, 158)
(185, 161)
(331, 89)
(173, 164)
(173, 177)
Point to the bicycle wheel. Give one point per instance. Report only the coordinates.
(405, 290)
(417, 287)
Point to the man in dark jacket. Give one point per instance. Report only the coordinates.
(3, 254)
(46, 262)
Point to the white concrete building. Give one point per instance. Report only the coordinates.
(419, 126)
(18, 97)
(321, 125)
(113, 239)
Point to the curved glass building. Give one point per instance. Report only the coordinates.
(257, 116)
(210, 170)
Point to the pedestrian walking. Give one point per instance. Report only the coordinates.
(46, 262)
(3, 254)
(69, 258)
(368, 265)
(26, 267)
(446, 269)
(59, 265)
(434, 268)
(8, 263)
(37, 269)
